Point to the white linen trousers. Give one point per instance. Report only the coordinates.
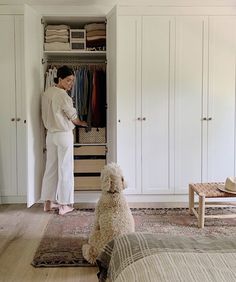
(58, 179)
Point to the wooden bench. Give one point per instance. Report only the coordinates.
(208, 190)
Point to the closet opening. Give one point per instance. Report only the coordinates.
(80, 42)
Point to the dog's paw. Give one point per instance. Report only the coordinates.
(90, 253)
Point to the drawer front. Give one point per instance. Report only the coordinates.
(77, 34)
(78, 45)
(87, 183)
(90, 150)
(88, 165)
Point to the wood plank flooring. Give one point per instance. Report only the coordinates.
(21, 230)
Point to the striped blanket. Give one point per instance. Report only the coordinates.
(144, 257)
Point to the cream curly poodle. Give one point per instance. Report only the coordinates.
(112, 213)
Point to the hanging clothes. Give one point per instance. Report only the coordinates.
(89, 94)
(99, 99)
(50, 74)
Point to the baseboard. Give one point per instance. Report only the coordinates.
(159, 205)
(92, 197)
(13, 200)
(89, 200)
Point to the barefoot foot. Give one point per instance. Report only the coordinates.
(49, 206)
(63, 209)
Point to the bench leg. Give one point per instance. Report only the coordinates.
(201, 211)
(191, 199)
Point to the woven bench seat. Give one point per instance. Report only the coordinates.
(210, 190)
(203, 191)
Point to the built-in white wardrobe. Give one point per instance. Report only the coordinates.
(175, 98)
(170, 98)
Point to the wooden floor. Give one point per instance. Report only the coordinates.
(20, 232)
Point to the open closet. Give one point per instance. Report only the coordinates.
(80, 43)
(170, 76)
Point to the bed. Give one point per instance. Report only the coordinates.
(145, 257)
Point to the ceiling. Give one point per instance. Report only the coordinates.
(58, 2)
(123, 2)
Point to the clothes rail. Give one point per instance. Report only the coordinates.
(76, 66)
(76, 62)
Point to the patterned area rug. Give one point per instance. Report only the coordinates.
(65, 235)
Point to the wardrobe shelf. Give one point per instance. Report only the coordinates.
(76, 53)
(90, 144)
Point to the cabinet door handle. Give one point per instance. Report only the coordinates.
(18, 119)
(144, 118)
(204, 118)
(138, 118)
(210, 118)
(12, 119)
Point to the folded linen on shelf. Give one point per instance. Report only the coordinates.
(91, 38)
(95, 26)
(96, 33)
(56, 38)
(57, 27)
(57, 32)
(57, 46)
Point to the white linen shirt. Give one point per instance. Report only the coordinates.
(57, 110)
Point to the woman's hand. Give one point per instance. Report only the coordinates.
(79, 122)
(83, 123)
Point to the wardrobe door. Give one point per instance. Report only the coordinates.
(221, 115)
(8, 160)
(20, 107)
(190, 87)
(128, 100)
(33, 90)
(157, 109)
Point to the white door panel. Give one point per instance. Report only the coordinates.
(8, 161)
(21, 108)
(221, 129)
(128, 101)
(190, 48)
(156, 121)
(33, 87)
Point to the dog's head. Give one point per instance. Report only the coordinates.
(112, 179)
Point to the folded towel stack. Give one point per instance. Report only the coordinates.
(57, 38)
(95, 36)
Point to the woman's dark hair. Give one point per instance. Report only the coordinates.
(62, 73)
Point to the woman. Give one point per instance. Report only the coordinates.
(59, 118)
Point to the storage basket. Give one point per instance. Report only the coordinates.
(95, 136)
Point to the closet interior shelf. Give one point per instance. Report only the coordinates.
(76, 53)
(72, 60)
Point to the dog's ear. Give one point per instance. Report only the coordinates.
(107, 183)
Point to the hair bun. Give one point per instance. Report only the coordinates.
(63, 72)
